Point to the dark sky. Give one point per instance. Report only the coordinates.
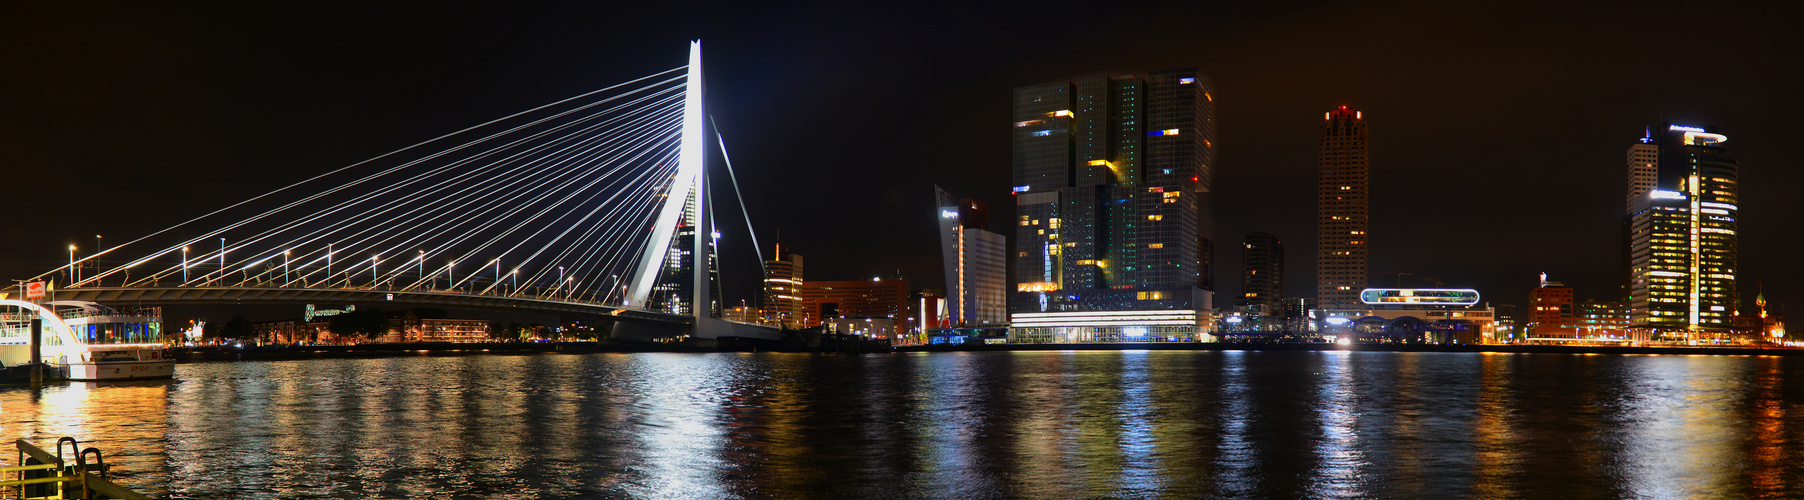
(1498, 134)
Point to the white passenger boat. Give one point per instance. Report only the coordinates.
(109, 343)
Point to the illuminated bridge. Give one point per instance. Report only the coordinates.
(587, 205)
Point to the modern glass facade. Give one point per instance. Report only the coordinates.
(1682, 233)
(1112, 179)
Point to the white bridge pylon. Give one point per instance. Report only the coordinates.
(690, 180)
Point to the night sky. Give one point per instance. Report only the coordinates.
(1497, 135)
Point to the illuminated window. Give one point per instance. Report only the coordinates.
(1042, 133)
(1155, 245)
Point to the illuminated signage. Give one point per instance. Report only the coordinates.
(1020, 189)
(1186, 81)
(1683, 128)
(1419, 296)
(949, 214)
(1666, 195)
(34, 290)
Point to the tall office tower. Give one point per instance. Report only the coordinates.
(1262, 274)
(1681, 232)
(671, 292)
(1342, 201)
(974, 259)
(783, 288)
(824, 301)
(1112, 184)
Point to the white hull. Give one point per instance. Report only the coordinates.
(122, 370)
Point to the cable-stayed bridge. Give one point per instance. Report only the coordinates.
(592, 204)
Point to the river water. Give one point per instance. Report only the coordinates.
(1042, 424)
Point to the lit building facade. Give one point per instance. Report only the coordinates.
(672, 292)
(1112, 182)
(1262, 274)
(1681, 233)
(975, 261)
(1551, 310)
(874, 298)
(783, 288)
(1342, 202)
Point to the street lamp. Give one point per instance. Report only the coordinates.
(422, 260)
(222, 268)
(328, 264)
(184, 266)
(286, 278)
(71, 264)
(373, 276)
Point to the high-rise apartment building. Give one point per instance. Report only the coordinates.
(1112, 190)
(1681, 232)
(1262, 274)
(974, 259)
(1342, 202)
(783, 288)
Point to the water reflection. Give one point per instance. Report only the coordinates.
(1026, 424)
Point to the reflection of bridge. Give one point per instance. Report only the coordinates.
(589, 205)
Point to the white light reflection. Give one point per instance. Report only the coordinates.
(1239, 456)
(680, 433)
(1141, 474)
(1338, 457)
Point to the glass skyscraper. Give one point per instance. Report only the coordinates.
(1681, 232)
(1112, 184)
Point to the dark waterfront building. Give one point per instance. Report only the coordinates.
(1342, 202)
(1262, 274)
(672, 292)
(1680, 233)
(1113, 219)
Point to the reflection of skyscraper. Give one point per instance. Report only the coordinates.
(783, 288)
(1682, 223)
(1262, 274)
(1342, 201)
(1112, 185)
(974, 259)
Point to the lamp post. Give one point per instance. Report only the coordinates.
(497, 275)
(515, 276)
(422, 260)
(184, 266)
(328, 264)
(451, 279)
(560, 278)
(222, 268)
(286, 278)
(71, 264)
(374, 278)
(570, 284)
(98, 248)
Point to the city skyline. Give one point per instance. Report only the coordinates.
(151, 125)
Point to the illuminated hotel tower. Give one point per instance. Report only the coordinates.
(1112, 182)
(1342, 200)
(1681, 232)
(783, 288)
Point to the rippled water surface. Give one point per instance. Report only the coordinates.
(1129, 424)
